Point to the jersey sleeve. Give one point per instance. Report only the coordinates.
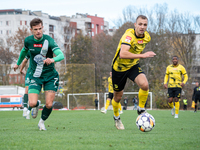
(28, 55)
(59, 55)
(166, 76)
(185, 75)
(52, 44)
(26, 44)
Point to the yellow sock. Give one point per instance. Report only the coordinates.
(171, 105)
(120, 106)
(115, 108)
(142, 97)
(177, 104)
(107, 104)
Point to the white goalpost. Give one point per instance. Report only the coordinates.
(75, 94)
(134, 93)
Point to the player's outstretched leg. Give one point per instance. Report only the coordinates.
(34, 112)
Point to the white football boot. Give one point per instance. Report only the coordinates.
(104, 111)
(24, 111)
(173, 111)
(121, 112)
(41, 125)
(176, 116)
(118, 124)
(34, 112)
(140, 110)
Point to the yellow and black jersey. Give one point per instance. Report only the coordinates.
(110, 85)
(174, 74)
(136, 44)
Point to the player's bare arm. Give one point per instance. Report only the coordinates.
(15, 67)
(23, 65)
(165, 86)
(125, 54)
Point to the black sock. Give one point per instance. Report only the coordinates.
(45, 113)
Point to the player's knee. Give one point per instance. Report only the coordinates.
(118, 98)
(32, 104)
(48, 105)
(145, 86)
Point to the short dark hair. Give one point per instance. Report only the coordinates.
(175, 56)
(141, 16)
(35, 22)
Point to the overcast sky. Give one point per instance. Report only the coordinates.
(108, 9)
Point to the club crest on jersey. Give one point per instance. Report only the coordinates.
(128, 39)
(37, 45)
(140, 41)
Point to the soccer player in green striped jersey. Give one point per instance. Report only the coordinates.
(42, 70)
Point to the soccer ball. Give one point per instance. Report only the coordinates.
(145, 122)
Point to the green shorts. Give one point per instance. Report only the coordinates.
(49, 83)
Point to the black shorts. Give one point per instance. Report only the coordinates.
(110, 95)
(119, 78)
(174, 92)
(197, 97)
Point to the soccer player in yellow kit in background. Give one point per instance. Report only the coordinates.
(174, 73)
(126, 65)
(110, 96)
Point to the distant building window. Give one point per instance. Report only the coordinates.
(7, 23)
(92, 25)
(22, 22)
(1, 23)
(51, 28)
(92, 33)
(97, 29)
(8, 32)
(101, 27)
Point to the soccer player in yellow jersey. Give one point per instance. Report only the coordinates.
(174, 73)
(126, 65)
(110, 96)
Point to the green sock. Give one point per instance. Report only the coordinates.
(29, 108)
(25, 100)
(45, 113)
(37, 104)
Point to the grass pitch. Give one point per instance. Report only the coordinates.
(89, 129)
